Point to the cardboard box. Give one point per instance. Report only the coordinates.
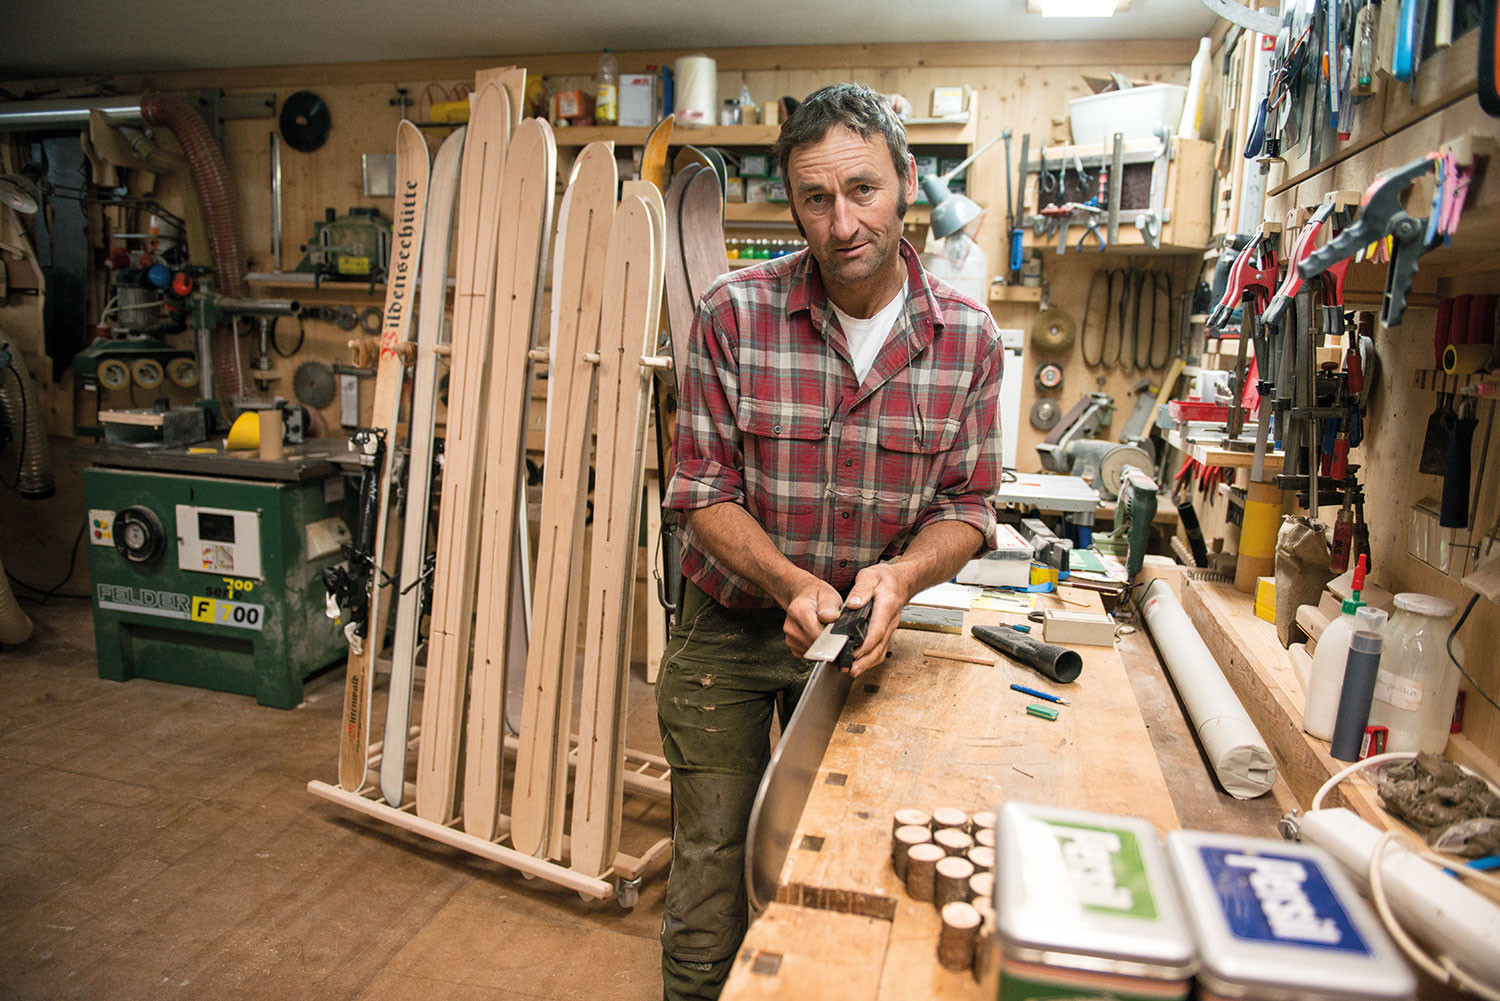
(755, 165)
(757, 189)
(637, 99)
(734, 189)
(575, 104)
(776, 191)
(948, 101)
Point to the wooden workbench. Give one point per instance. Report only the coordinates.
(928, 732)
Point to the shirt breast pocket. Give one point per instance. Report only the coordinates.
(915, 431)
(786, 453)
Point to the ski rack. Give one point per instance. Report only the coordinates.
(646, 775)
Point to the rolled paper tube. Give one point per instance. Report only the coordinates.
(985, 836)
(982, 856)
(1464, 359)
(983, 819)
(956, 940)
(921, 871)
(952, 840)
(982, 888)
(911, 817)
(952, 881)
(902, 842)
(949, 816)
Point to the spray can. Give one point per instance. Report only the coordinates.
(1360, 672)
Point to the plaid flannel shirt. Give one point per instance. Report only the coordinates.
(839, 474)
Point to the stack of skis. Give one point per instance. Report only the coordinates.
(446, 778)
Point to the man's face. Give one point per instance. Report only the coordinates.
(847, 199)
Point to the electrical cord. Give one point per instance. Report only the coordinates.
(1449, 647)
(56, 589)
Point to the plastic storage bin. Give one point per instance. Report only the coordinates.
(1134, 112)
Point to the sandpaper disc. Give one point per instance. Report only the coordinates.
(313, 384)
(305, 121)
(1053, 330)
(1044, 414)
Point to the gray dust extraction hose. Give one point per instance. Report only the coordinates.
(15, 627)
(23, 413)
(1233, 745)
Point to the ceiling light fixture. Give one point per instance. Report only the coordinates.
(1075, 8)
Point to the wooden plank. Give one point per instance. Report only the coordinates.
(626, 335)
(793, 953)
(525, 220)
(578, 294)
(457, 551)
(950, 733)
(411, 186)
(1266, 682)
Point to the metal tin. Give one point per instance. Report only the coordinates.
(1277, 921)
(1086, 905)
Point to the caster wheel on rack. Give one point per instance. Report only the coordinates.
(628, 892)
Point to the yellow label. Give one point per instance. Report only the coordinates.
(203, 609)
(354, 265)
(235, 584)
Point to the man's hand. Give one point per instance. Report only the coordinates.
(886, 587)
(812, 606)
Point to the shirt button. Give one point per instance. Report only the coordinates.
(844, 515)
(848, 462)
(776, 429)
(843, 563)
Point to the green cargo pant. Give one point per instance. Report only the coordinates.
(721, 674)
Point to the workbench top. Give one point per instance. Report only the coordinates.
(925, 732)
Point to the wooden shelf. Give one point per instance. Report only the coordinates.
(917, 133)
(1015, 293)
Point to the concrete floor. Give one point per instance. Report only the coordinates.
(157, 840)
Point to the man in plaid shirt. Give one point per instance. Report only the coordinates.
(837, 435)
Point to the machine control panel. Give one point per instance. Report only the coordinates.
(218, 541)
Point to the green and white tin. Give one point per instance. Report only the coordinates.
(1087, 908)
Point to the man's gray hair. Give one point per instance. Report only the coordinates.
(852, 105)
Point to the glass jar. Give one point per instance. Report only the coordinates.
(1417, 686)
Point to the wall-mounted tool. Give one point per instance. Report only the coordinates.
(355, 247)
(305, 121)
(1045, 414)
(1049, 377)
(1052, 330)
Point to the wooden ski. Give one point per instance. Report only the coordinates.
(654, 156)
(457, 552)
(540, 786)
(702, 222)
(433, 301)
(627, 337)
(363, 590)
(681, 304)
(525, 221)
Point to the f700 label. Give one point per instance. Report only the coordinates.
(240, 614)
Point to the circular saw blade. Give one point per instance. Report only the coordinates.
(313, 384)
(305, 121)
(1053, 330)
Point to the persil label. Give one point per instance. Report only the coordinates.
(1105, 868)
(1281, 899)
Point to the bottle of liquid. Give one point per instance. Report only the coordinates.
(607, 97)
(1418, 684)
(1327, 677)
(1358, 692)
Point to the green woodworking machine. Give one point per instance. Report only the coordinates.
(205, 565)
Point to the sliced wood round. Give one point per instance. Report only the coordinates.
(902, 842)
(952, 840)
(921, 871)
(911, 817)
(956, 940)
(983, 819)
(949, 816)
(983, 857)
(953, 875)
(982, 888)
(985, 836)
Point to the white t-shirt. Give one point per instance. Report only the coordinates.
(867, 336)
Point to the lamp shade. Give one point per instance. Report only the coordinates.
(950, 212)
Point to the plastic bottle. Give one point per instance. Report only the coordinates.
(607, 97)
(1417, 685)
(1327, 676)
(1192, 109)
(1360, 672)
